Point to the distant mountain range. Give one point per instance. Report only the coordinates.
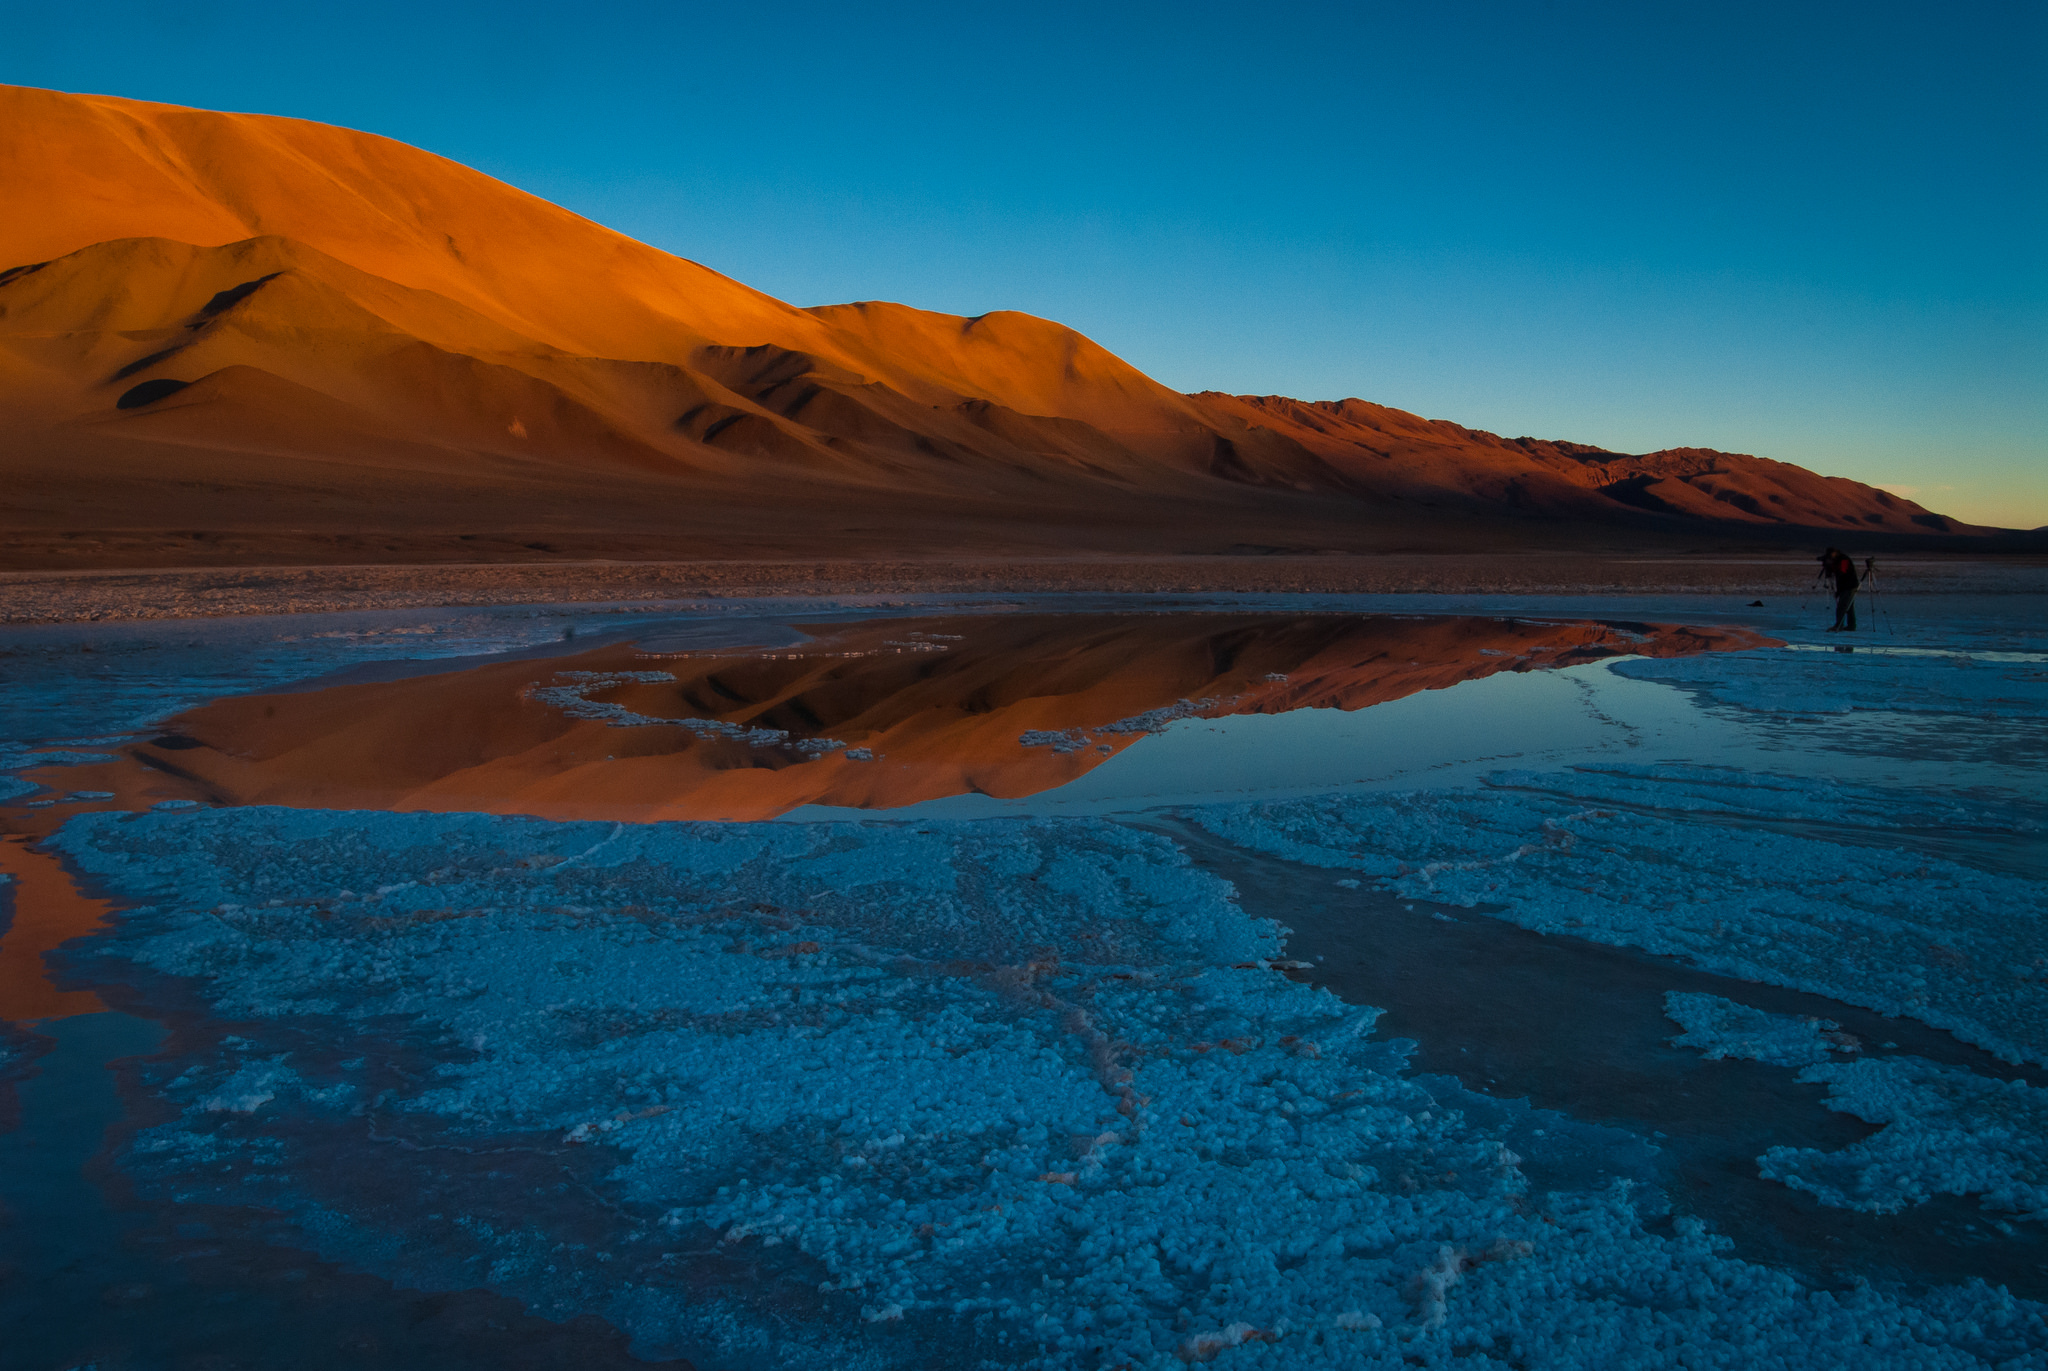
(230, 337)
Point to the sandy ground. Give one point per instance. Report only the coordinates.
(72, 596)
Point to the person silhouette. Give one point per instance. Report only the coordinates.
(1838, 565)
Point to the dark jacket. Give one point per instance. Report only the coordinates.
(1843, 568)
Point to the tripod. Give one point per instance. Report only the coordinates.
(1876, 610)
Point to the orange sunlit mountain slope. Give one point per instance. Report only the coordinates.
(234, 337)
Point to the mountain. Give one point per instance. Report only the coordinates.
(231, 337)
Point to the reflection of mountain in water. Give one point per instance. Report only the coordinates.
(872, 715)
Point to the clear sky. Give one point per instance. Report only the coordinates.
(1811, 231)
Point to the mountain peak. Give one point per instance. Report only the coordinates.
(474, 346)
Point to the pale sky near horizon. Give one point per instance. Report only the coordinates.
(1813, 232)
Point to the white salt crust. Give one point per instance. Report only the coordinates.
(1804, 682)
(1946, 1130)
(1886, 928)
(1005, 1094)
(1722, 1028)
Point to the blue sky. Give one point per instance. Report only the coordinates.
(1815, 232)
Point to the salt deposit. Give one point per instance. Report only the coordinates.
(1014, 1094)
(1889, 929)
(1796, 681)
(1946, 1130)
(1722, 1028)
(1035, 1093)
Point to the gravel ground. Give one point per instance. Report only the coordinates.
(29, 597)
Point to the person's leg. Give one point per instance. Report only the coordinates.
(1852, 611)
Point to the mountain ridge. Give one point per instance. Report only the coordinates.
(375, 333)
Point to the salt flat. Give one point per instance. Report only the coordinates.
(1054, 1080)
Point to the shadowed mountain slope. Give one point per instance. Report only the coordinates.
(1391, 450)
(235, 337)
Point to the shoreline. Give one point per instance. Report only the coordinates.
(101, 595)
